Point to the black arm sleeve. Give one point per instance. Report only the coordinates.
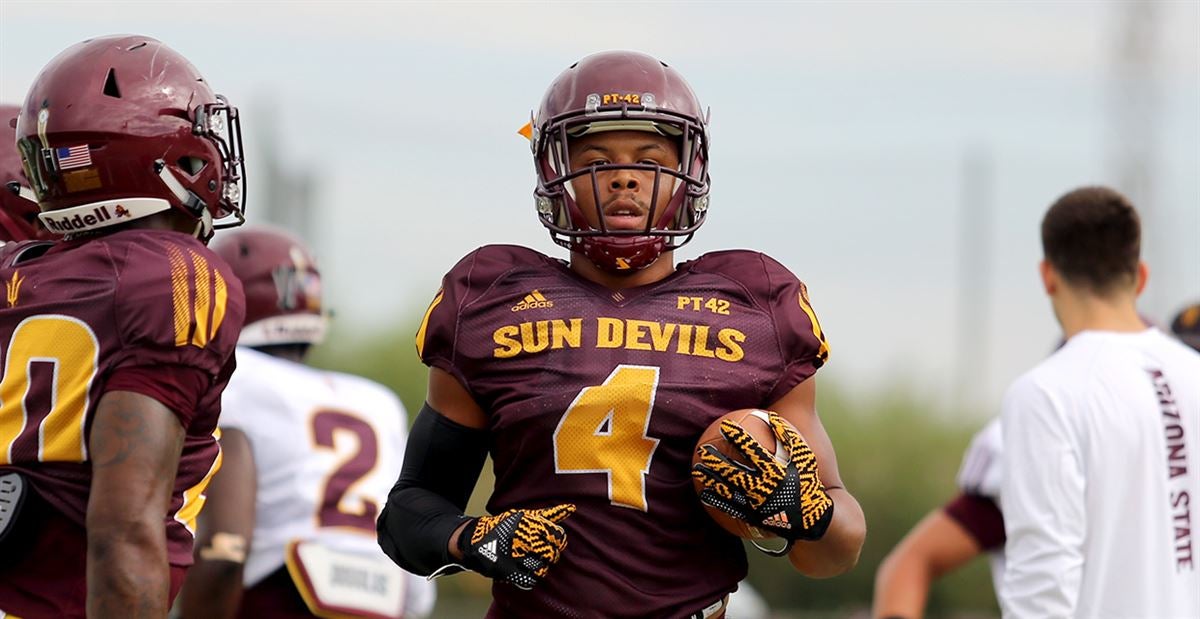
(442, 462)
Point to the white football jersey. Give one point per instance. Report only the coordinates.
(980, 475)
(327, 448)
(1101, 480)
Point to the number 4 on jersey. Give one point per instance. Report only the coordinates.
(604, 431)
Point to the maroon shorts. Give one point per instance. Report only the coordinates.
(274, 597)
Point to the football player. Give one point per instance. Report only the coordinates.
(948, 538)
(309, 457)
(18, 206)
(590, 381)
(118, 339)
(1096, 480)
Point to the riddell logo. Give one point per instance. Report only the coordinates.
(533, 300)
(62, 225)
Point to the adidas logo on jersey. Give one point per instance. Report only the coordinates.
(779, 521)
(533, 300)
(489, 550)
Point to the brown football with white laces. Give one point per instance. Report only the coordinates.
(754, 421)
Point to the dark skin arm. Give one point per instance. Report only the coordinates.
(447, 396)
(838, 550)
(213, 587)
(134, 445)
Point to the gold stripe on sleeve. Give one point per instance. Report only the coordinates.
(823, 351)
(219, 306)
(425, 323)
(203, 299)
(179, 292)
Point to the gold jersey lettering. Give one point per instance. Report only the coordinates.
(566, 335)
(660, 335)
(685, 340)
(540, 336)
(610, 333)
(637, 329)
(700, 347)
(505, 338)
(731, 349)
(537, 336)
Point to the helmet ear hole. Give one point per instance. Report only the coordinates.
(110, 84)
(192, 165)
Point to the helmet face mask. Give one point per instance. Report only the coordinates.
(18, 205)
(123, 127)
(620, 91)
(220, 123)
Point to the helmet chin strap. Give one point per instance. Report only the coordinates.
(285, 329)
(204, 226)
(21, 191)
(621, 255)
(190, 201)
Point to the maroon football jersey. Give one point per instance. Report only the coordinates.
(597, 398)
(77, 315)
(980, 517)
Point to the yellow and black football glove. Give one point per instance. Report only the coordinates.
(784, 498)
(517, 546)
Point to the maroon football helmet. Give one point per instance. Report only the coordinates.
(1186, 326)
(620, 90)
(121, 127)
(18, 208)
(282, 285)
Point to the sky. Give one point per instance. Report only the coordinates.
(856, 142)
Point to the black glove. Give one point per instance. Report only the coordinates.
(517, 546)
(784, 498)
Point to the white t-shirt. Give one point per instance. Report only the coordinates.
(1101, 480)
(327, 448)
(980, 474)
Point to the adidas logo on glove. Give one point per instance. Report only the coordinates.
(488, 550)
(778, 520)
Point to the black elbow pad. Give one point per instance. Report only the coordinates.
(441, 465)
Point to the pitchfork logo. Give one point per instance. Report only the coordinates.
(13, 288)
(297, 286)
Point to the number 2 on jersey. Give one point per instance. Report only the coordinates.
(336, 507)
(604, 431)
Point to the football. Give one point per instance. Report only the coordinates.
(754, 421)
